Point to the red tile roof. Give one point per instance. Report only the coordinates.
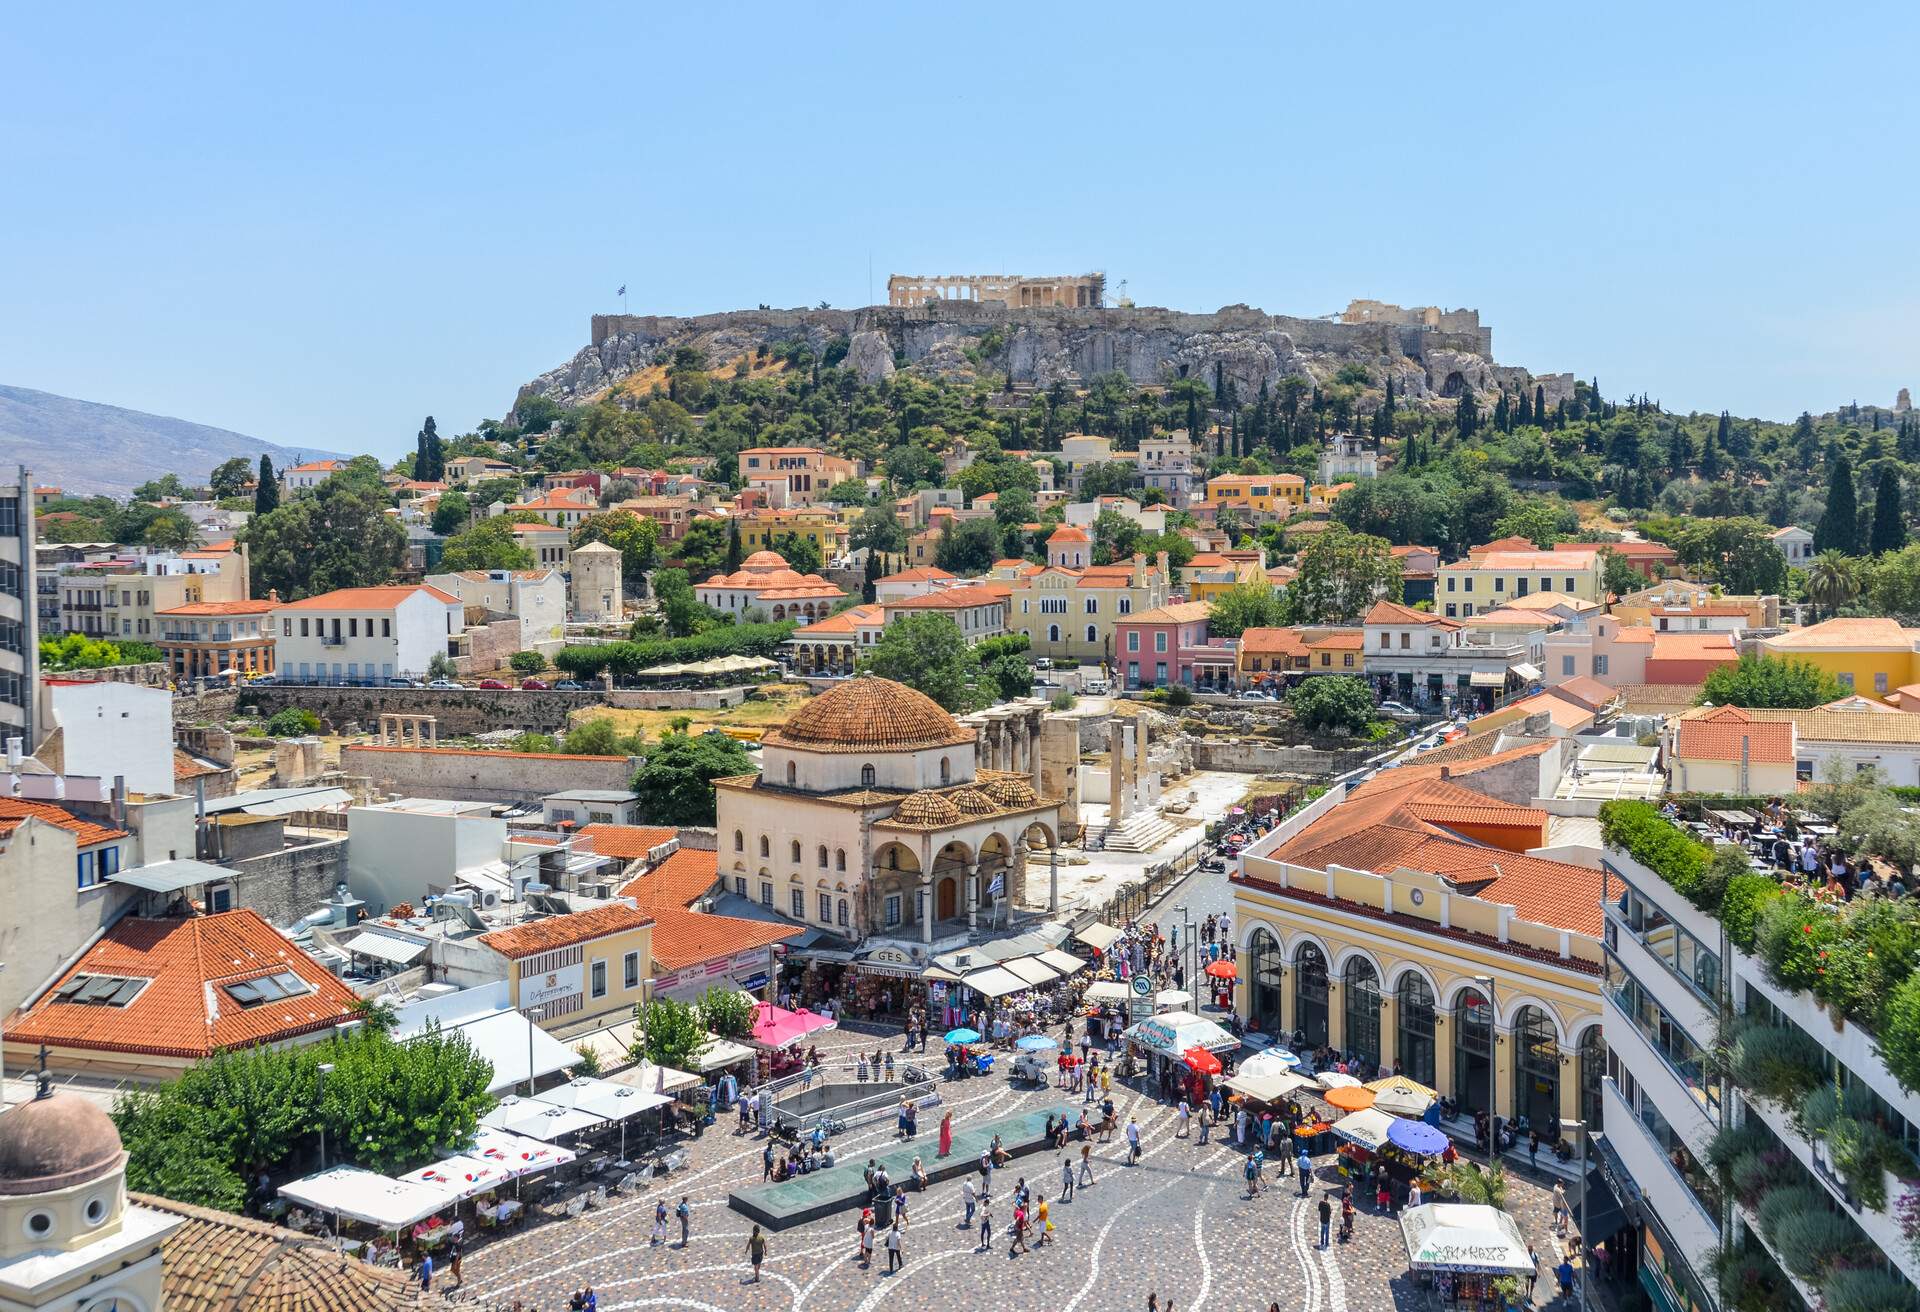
(185, 1011)
(1272, 641)
(14, 810)
(223, 608)
(676, 882)
(1727, 733)
(1069, 533)
(949, 599)
(628, 842)
(1392, 612)
(918, 574)
(1588, 691)
(564, 931)
(1694, 647)
(682, 937)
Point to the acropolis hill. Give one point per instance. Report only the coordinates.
(959, 326)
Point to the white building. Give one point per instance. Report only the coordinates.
(1347, 457)
(1082, 514)
(1795, 543)
(358, 635)
(305, 478)
(537, 598)
(1416, 654)
(19, 614)
(109, 729)
(1167, 463)
(401, 851)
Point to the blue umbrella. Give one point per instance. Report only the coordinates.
(963, 1036)
(1035, 1043)
(1416, 1137)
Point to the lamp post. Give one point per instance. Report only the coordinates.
(323, 1070)
(1485, 984)
(1579, 1128)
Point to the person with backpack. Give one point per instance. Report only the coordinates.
(685, 1212)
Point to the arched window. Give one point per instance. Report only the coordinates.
(1415, 1007)
(1053, 633)
(1310, 994)
(1093, 633)
(1536, 1071)
(1363, 1010)
(840, 859)
(1593, 1067)
(843, 911)
(1472, 1051)
(765, 848)
(866, 776)
(823, 856)
(794, 852)
(793, 774)
(1263, 1001)
(739, 841)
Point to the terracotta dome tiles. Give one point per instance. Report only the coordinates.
(870, 714)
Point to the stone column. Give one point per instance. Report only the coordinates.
(1036, 751)
(1022, 743)
(1053, 878)
(1116, 771)
(973, 896)
(433, 731)
(926, 908)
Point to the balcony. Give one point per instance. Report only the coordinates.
(1664, 1193)
(1657, 978)
(1678, 1094)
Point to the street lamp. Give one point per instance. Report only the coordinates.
(1579, 1128)
(1485, 983)
(325, 1069)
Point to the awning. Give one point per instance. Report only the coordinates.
(1487, 679)
(1107, 990)
(1468, 1237)
(1099, 935)
(280, 801)
(1368, 1128)
(170, 876)
(460, 1178)
(1526, 671)
(1171, 1033)
(1598, 1195)
(655, 1079)
(539, 1120)
(936, 972)
(386, 947)
(516, 1154)
(1064, 962)
(364, 1196)
(603, 1098)
(507, 1039)
(995, 982)
(1173, 1000)
(1030, 970)
(1268, 1087)
(723, 1052)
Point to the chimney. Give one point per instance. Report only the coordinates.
(1446, 772)
(120, 801)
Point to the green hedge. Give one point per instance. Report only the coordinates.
(1661, 846)
(627, 658)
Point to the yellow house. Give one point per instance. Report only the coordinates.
(1209, 574)
(574, 971)
(1482, 983)
(1257, 493)
(760, 529)
(1872, 657)
(1497, 578)
(1342, 651)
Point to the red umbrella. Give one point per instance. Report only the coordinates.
(1201, 1062)
(1222, 969)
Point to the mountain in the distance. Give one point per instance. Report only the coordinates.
(87, 448)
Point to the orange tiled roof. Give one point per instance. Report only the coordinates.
(1587, 690)
(1694, 647)
(185, 1011)
(223, 608)
(1184, 612)
(1272, 641)
(382, 598)
(86, 833)
(1728, 733)
(949, 599)
(565, 931)
(535, 528)
(1392, 612)
(1428, 768)
(1340, 641)
(1565, 712)
(1861, 633)
(1069, 533)
(918, 574)
(625, 841)
(682, 937)
(188, 766)
(846, 621)
(676, 881)
(869, 714)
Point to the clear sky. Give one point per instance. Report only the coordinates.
(319, 223)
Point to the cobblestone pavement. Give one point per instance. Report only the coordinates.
(1179, 1224)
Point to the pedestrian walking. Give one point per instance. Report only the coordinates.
(1042, 1221)
(1253, 1174)
(896, 1249)
(863, 1244)
(659, 1235)
(1019, 1231)
(1533, 1272)
(684, 1211)
(1560, 1213)
(426, 1274)
(1564, 1273)
(1133, 1141)
(986, 1229)
(1304, 1165)
(1066, 1179)
(1086, 1164)
(1533, 1149)
(971, 1197)
(453, 1261)
(946, 1134)
(756, 1252)
(986, 1174)
(1184, 1114)
(1326, 1220)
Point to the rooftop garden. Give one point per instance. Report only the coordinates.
(1858, 957)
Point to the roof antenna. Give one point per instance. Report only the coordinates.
(44, 1080)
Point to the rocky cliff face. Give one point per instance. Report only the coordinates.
(1041, 347)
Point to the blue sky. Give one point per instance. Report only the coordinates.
(317, 224)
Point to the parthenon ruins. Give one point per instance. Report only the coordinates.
(1081, 291)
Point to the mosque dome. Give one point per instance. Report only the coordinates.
(870, 714)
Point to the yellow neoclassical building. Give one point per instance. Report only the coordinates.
(1405, 924)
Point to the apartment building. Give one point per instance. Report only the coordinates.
(19, 609)
(1167, 463)
(1069, 613)
(794, 475)
(1489, 579)
(362, 635)
(124, 597)
(206, 639)
(306, 477)
(1257, 495)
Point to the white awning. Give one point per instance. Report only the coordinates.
(363, 1196)
(1064, 962)
(1107, 990)
(1367, 1128)
(1526, 671)
(539, 1120)
(170, 876)
(995, 982)
(1487, 679)
(1031, 970)
(649, 1078)
(1464, 1237)
(1099, 935)
(461, 1177)
(516, 1154)
(1264, 1086)
(603, 1098)
(387, 947)
(507, 1039)
(722, 1052)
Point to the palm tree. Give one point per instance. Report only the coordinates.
(1832, 581)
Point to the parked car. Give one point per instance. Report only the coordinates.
(1397, 708)
(442, 683)
(398, 682)
(569, 685)
(494, 685)
(533, 685)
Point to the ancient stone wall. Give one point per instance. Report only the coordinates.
(285, 885)
(468, 711)
(483, 776)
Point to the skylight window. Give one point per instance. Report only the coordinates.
(100, 990)
(267, 988)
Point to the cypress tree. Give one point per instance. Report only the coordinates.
(1679, 451)
(1540, 405)
(1889, 518)
(1502, 414)
(873, 573)
(436, 453)
(1839, 523)
(733, 546)
(1710, 454)
(422, 467)
(1466, 414)
(1525, 415)
(266, 494)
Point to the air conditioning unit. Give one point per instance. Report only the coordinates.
(596, 890)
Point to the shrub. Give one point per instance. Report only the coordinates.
(1786, 1202)
(1865, 1289)
(1062, 700)
(527, 663)
(1808, 1241)
(1730, 1145)
(1740, 906)
(1898, 1037)
(627, 658)
(294, 722)
(589, 1060)
(1179, 695)
(1659, 845)
(1863, 1153)
(1775, 1062)
(1748, 1279)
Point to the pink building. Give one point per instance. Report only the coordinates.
(1169, 645)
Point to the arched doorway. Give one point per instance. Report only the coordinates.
(1310, 994)
(1414, 1004)
(1472, 1051)
(947, 899)
(1362, 983)
(1263, 1001)
(1593, 1068)
(1536, 1071)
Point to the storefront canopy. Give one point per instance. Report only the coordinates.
(1367, 1128)
(1463, 1237)
(1531, 673)
(1107, 990)
(516, 1154)
(460, 1178)
(507, 1039)
(539, 1120)
(1031, 970)
(776, 1027)
(721, 1052)
(603, 1098)
(1064, 962)
(649, 1078)
(1268, 1086)
(1171, 1033)
(1488, 679)
(1099, 935)
(363, 1196)
(995, 982)
(1399, 1096)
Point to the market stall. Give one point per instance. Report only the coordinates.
(372, 1199)
(1463, 1248)
(1099, 936)
(1399, 1096)
(1165, 1039)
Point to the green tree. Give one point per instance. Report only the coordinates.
(402, 1104)
(1341, 573)
(1770, 681)
(1243, 606)
(671, 1035)
(1889, 519)
(1832, 581)
(1327, 702)
(703, 549)
(1893, 588)
(802, 553)
(229, 478)
(169, 531)
(527, 664)
(266, 493)
(675, 784)
(870, 578)
(489, 544)
(1738, 552)
(292, 722)
(878, 529)
(1112, 478)
(167, 487)
(171, 1151)
(968, 548)
(340, 537)
(924, 651)
(1838, 528)
(635, 537)
(1115, 537)
(912, 466)
(734, 552)
(451, 513)
(726, 1011)
(602, 737)
(440, 666)
(1617, 575)
(849, 492)
(1539, 521)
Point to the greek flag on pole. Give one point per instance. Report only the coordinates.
(998, 886)
(622, 291)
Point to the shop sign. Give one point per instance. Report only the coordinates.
(566, 982)
(702, 975)
(895, 962)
